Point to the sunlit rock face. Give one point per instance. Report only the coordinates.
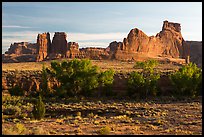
(20, 48)
(168, 43)
(43, 46)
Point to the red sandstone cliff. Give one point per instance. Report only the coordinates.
(20, 52)
(196, 52)
(168, 43)
(73, 50)
(59, 44)
(22, 48)
(43, 46)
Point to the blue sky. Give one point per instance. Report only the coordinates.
(96, 23)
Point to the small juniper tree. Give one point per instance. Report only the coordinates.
(39, 109)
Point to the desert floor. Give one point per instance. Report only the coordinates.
(119, 66)
(156, 116)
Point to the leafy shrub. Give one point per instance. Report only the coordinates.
(76, 77)
(45, 91)
(16, 91)
(79, 77)
(17, 106)
(106, 81)
(10, 131)
(147, 65)
(12, 110)
(78, 114)
(18, 129)
(145, 83)
(91, 115)
(187, 81)
(105, 130)
(39, 109)
(12, 100)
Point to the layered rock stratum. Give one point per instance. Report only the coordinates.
(168, 44)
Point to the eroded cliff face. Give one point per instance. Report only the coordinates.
(168, 43)
(73, 50)
(43, 46)
(31, 81)
(59, 44)
(22, 48)
(94, 53)
(171, 38)
(20, 52)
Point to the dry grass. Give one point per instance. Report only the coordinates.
(118, 66)
(67, 117)
(122, 117)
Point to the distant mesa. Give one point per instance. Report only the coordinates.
(168, 43)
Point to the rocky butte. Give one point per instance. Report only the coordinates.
(138, 46)
(168, 44)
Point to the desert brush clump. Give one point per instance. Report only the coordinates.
(39, 109)
(106, 81)
(143, 84)
(187, 81)
(17, 129)
(12, 110)
(148, 65)
(16, 91)
(105, 130)
(78, 77)
(45, 91)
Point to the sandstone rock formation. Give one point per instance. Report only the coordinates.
(73, 50)
(22, 48)
(196, 52)
(94, 53)
(168, 44)
(59, 44)
(20, 52)
(171, 38)
(43, 46)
